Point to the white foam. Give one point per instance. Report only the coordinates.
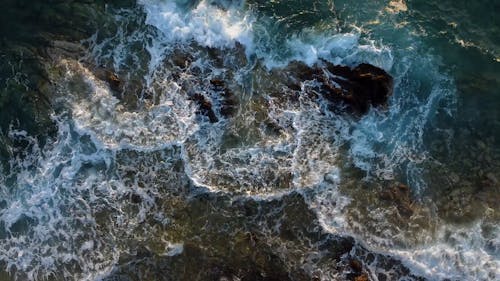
(173, 249)
(98, 112)
(329, 204)
(51, 214)
(211, 25)
(206, 24)
(37, 198)
(458, 253)
(304, 151)
(342, 48)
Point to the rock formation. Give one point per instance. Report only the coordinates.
(358, 88)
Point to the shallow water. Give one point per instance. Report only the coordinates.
(130, 182)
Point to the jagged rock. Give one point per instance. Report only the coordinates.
(359, 88)
(227, 100)
(135, 198)
(127, 88)
(205, 107)
(110, 77)
(114, 82)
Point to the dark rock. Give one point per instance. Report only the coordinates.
(181, 59)
(383, 266)
(129, 91)
(114, 82)
(356, 265)
(356, 270)
(359, 88)
(362, 277)
(315, 278)
(59, 48)
(382, 276)
(217, 83)
(110, 77)
(135, 198)
(205, 107)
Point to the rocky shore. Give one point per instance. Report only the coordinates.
(220, 237)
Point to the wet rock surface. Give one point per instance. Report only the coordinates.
(219, 93)
(352, 90)
(205, 107)
(359, 88)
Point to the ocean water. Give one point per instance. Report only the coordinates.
(110, 172)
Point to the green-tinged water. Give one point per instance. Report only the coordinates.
(168, 140)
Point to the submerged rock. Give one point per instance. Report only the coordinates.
(224, 238)
(401, 196)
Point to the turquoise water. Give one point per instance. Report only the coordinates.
(110, 172)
